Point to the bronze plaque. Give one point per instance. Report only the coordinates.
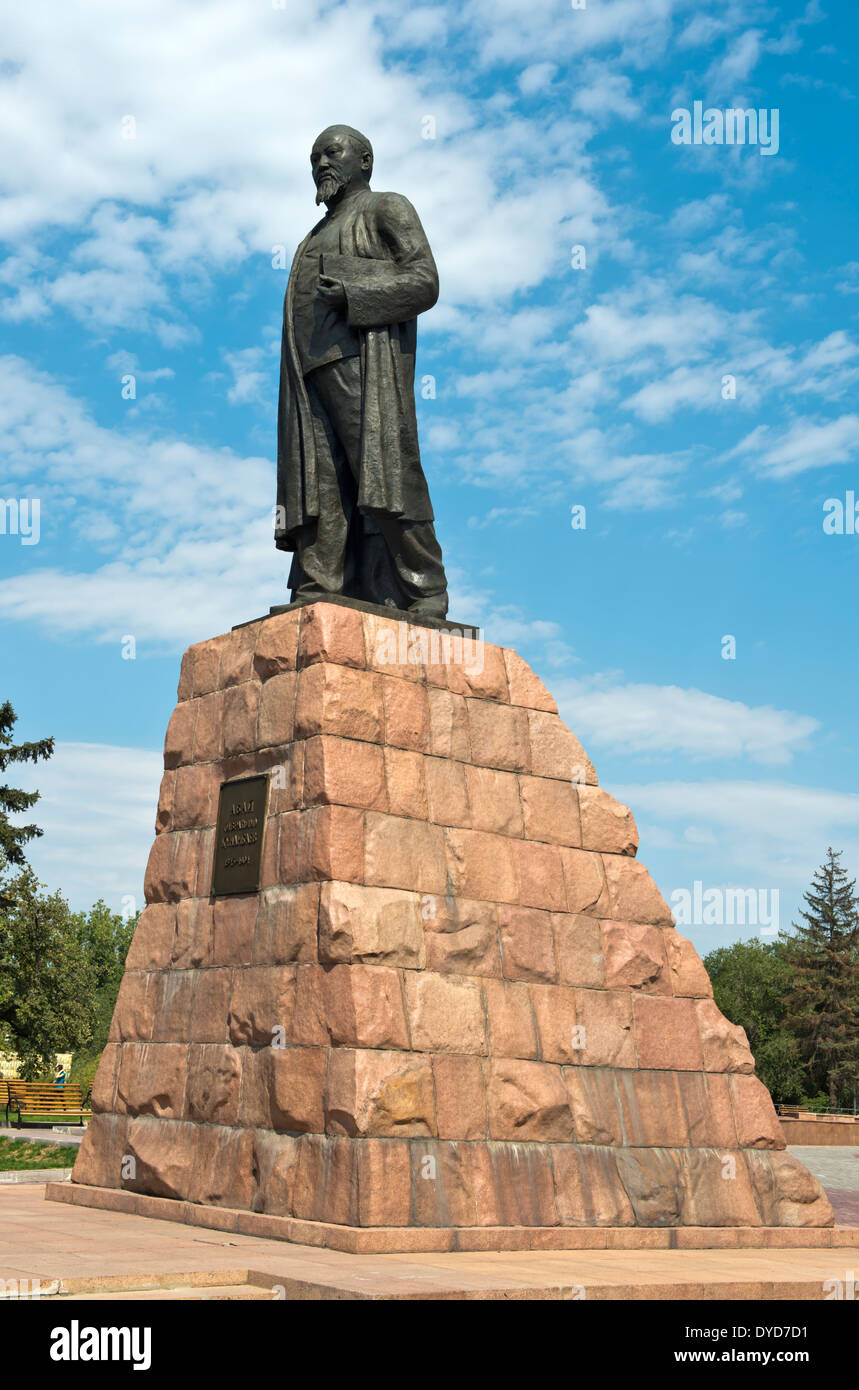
(239, 835)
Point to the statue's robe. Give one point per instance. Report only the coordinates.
(383, 301)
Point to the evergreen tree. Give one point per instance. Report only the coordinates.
(823, 1002)
(13, 801)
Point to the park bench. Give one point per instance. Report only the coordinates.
(40, 1100)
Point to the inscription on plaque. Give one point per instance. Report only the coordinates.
(239, 835)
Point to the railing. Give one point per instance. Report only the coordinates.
(814, 1110)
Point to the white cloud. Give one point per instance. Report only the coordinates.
(633, 323)
(511, 31)
(125, 363)
(507, 626)
(657, 721)
(55, 448)
(692, 388)
(605, 96)
(165, 602)
(735, 65)
(769, 831)
(208, 182)
(630, 480)
(254, 377)
(826, 368)
(414, 27)
(509, 516)
(536, 78)
(702, 29)
(698, 215)
(732, 520)
(186, 530)
(97, 810)
(806, 444)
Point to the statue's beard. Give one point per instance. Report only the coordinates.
(328, 188)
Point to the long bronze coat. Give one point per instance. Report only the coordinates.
(383, 301)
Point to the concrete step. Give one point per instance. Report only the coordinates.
(191, 1286)
(56, 1134)
(13, 1175)
(183, 1293)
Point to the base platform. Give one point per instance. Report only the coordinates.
(415, 1239)
(401, 615)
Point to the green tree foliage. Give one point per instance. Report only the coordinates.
(60, 970)
(105, 937)
(823, 997)
(13, 801)
(47, 983)
(60, 973)
(751, 980)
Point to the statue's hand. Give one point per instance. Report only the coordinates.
(331, 291)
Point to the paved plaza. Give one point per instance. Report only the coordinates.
(84, 1253)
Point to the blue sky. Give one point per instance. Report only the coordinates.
(145, 247)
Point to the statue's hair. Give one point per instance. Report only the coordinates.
(355, 136)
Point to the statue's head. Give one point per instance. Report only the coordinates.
(341, 158)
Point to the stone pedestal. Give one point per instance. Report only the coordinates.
(457, 1013)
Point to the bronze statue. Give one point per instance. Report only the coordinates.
(353, 502)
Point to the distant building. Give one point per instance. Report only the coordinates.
(9, 1064)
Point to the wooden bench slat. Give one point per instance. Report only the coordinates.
(40, 1095)
(32, 1089)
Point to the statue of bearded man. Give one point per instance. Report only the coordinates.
(353, 503)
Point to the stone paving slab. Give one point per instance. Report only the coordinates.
(833, 1167)
(838, 1170)
(86, 1249)
(42, 1175)
(182, 1293)
(43, 1135)
(845, 1205)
